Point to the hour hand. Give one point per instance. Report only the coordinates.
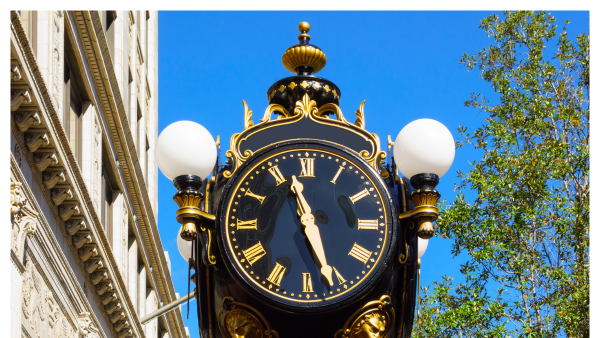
(297, 188)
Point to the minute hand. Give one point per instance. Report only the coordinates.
(311, 230)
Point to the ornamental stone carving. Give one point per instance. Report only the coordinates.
(15, 71)
(93, 264)
(57, 60)
(60, 195)
(67, 210)
(26, 118)
(107, 298)
(74, 225)
(81, 238)
(116, 316)
(103, 287)
(120, 325)
(112, 307)
(42, 159)
(87, 251)
(124, 333)
(28, 291)
(98, 277)
(23, 218)
(86, 328)
(34, 140)
(18, 96)
(52, 177)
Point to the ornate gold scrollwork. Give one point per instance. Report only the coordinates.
(243, 321)
(360, 116)
(403, 257)
(305, 108)
(374, 320)
(248, 123)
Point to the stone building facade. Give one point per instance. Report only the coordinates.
(87, 259)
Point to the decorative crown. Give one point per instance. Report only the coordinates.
(304, 58)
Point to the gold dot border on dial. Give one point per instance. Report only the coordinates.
(295, 153)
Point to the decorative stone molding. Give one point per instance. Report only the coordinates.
(107, 298)
(115, 317)
(34, 140)
(103, 287)
(42, 159)
(57, 59)
(86, 328)
(120, 325)
(26, 118)
(18, 96)
(112, 307)
(124, 333)
(98, 277)
(81, 238)
(59, 195)
(93, 264)
(23, 218)
(52, 177)
(15, 71)
(67, 210)
(17, 199)
(87, 251)
(74, 225)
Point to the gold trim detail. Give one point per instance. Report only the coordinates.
(243, 321)
(360, 116)
(292, 85)
(305, 108)
(372, 320)
(306, 55)
(248, 123)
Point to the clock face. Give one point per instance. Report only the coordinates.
(307, 227)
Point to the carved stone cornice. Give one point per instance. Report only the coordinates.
(52, 177)
(27, 118)
(15, 71)
(93, 264)
(42, 159)
(102, 288)
(18, 96)
(81, 238)
(112, 307)
(87, 251)
(59, 195)
(34, 140)
(74, 225)
(108, 297)
(67, 210)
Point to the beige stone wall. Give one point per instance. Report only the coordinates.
(78, 270)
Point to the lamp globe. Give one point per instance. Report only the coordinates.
(186, 148)
(424, 146)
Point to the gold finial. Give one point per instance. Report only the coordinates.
(303, 27)
(304, 58)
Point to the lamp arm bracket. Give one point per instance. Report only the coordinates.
(423, 210)
(206, 216)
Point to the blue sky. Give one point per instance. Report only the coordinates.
(404, 64)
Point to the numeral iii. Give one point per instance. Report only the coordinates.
(366, 224)
(277, 274)
(360, 253)
(306, 282)
(359, 195)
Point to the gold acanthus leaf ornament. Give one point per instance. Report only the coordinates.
(241, 320)
(248, 123)
(374, 320)
(360, 116)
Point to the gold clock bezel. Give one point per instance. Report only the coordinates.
(234, 192)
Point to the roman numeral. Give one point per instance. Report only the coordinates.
(337, 174)
(254, 253)
(308, 167)
(277, 274)
(367, 224)
(277, 174)
(259, 198)
(246, 225)
(359, 195)
(339, 277)
(360, 253)
(306, 282)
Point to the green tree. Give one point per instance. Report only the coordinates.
(526, 230)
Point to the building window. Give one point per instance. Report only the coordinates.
(107, 203)
(109, 31)
(72, 112)
(29, 22)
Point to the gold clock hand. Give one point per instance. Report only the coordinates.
(311, 230)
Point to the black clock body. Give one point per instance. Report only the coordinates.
(264, 243)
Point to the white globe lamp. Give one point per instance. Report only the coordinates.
(422, 246)
(186, 148)
(424, 146)
(185, 247)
